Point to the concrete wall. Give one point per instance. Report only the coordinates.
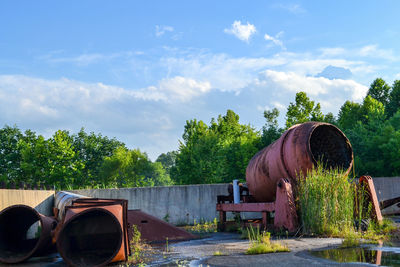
(181, 204)
(387, 188)
(41, 200)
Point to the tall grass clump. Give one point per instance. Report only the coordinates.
(326, 202)
(260, 243)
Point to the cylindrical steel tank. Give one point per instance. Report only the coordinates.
(295, 152)
(24, 233)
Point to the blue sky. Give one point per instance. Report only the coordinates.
(137, 70)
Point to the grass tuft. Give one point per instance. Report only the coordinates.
(203, 228)
(260, 243)
(218, 253)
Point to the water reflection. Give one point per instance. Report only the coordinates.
(387, 256)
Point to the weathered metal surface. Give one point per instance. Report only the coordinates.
(295, 152)
(91, 237)
(246, 207)
(94, 232)
(153, 229)
(285, 207)
(24, 233)
(371, 198)
(63, 199)
(389, 202)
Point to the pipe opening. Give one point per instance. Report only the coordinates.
(20, 229)
(329, 146)
(93, 237)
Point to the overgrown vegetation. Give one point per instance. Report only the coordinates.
(326, 201)
(260, 242)
(139, 249)
(203, 227)
(331, 205)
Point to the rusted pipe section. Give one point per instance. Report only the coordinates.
(91, 237)
(24, 233)
(94, 232)
(297, 151)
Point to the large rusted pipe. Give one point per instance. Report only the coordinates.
(92, 237)
(297, 151)
(24, 233)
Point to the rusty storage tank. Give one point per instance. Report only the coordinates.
(24, 233)
(297, 150)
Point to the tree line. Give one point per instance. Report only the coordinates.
(208, 153)
(81, 160)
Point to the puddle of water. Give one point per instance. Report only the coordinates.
(387, 256)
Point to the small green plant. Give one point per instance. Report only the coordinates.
(260, 243)
(202, 228)
(166, 217)
(138, 248)
(218, 253)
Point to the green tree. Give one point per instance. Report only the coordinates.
(394, 99)
(216, 153)
(349, 114)
(379, 90)
(131, 168)
(271, 130)
(35, 165)
(10, 155)
(167, 160)
(65, 167)
(303, 110)
(91, 149)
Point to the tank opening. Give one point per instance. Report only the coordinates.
(93, 237)
(20, 229)
(329, 146)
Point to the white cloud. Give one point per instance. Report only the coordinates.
(241, 31)
(162, 29)
(376, 52)
(333, 51)
(278, 105)
(292, 8)
(275, 40)
(88, 58)
(313, 86)
(172, 89)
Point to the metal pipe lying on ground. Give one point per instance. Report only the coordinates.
(24, 233)
(93, 231)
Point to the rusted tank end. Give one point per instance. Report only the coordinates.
(24, 233)
(92, 237)
(331, 147)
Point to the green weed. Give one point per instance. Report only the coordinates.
(260, 243)
(202, 228)
(139, 250)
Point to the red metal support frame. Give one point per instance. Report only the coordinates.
(284, 208)
(367, 180)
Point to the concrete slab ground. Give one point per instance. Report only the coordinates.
(200, 253)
